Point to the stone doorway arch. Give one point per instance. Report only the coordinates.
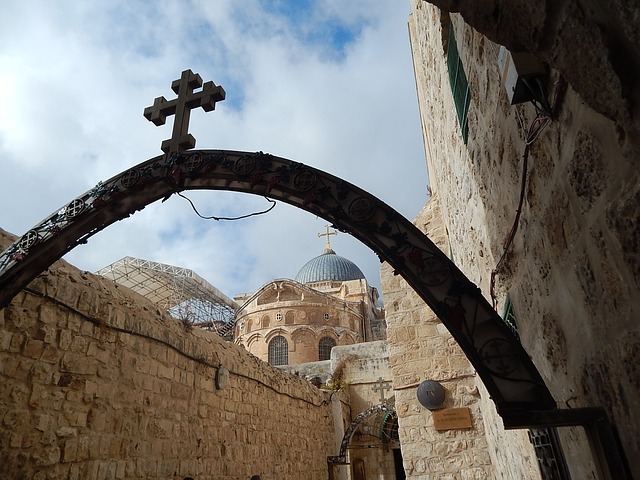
(341, 458)
(500, 360)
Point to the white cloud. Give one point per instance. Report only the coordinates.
(75, 77)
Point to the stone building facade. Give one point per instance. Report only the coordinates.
(98, 383)
(330, 303)
(374, 447)
(421, 349)
(570, 271)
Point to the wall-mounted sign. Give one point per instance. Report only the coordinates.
(452, 419)
(430, 394)
(222, 378)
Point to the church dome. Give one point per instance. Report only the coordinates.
(328, 266)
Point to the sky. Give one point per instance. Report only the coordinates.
(326, 83)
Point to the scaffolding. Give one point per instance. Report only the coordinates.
(181, 292)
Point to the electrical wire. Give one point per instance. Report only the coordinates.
(542, 119)
(273, 204)
(197, 359)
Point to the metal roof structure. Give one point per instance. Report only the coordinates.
(180, 291)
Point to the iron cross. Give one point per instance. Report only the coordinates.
(381, 386)
(181, 107)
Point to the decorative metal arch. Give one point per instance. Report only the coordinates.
(341, 458)
(504, 366)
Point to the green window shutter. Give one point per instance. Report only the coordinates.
(509, 317)
(459, 84)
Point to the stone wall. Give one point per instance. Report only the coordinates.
(360, 368)
(573, 271)
(594, 44)
(420, 348)
(97, 383)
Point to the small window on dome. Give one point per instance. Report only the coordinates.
(278, 351)
(324, 348)
(326, 316)
(278, 316)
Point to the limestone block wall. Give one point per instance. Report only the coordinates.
(359, 368)
(97, 383)
(573, 271)
(420, 348)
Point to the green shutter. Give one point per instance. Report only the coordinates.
(509, 317)
(459, 84)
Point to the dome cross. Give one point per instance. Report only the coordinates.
(335, 232)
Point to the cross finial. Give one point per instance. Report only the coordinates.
(181, 107)
(328, 246)
(381, 386)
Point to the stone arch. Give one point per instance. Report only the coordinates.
(302, 331)
(327, 331)
(252, 339)
(348, 338)
(275, 332)
(341, 458)
(504, 366)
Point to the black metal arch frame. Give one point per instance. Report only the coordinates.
(341, 458)
(504, 366)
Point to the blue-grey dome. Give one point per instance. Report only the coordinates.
(328, 266)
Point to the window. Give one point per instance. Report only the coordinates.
(279, 351)
(509, 317)
(326, 316)
(278, 316)
(289, 318)
(459, 84)
(324, 348)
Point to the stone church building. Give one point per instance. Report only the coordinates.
(329, 303)
(529, 112)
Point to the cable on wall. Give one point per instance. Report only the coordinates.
(542, 119)
(167, 344)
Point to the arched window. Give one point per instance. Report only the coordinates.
(279, 351)
(289, 318)
(324, 348)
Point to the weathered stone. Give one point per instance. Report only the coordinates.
(83, 408)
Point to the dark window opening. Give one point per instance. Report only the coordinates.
(549, 454)
(279, 351)
(324, 348)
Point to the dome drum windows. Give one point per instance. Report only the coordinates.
(278, 351)
(324, 348)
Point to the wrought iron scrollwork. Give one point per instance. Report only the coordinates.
(500, 360)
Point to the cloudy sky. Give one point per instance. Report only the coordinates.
(326, 83)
